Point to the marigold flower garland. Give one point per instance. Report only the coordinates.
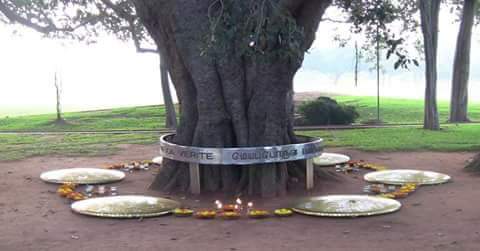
(67, 190)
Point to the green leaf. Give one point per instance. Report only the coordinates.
(397, 64)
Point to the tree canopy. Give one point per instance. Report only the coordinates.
(84, 20)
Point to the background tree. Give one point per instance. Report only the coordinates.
(429, 12)
(365, 14)
(124, 15)
(378, 24)
(461, 70)
(171, 114)
(85, 21)
(391, 23)
(461, 65)
(58, 93)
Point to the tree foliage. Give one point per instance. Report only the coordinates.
(455, 6)
(268, 30)
(391, 23)
(82, 20)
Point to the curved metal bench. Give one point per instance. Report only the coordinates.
(195, 156)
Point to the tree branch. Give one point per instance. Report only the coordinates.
(140, 49)
(121, 12)
(327, 19)
(15, 18)
(49, 27)
(308, 15)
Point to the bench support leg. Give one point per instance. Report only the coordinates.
(310, 174)
(194, 178)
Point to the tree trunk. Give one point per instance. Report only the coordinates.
(461, 65)
(429, 11)
(171, 115)
(357, 58)
(227, 99)
(59, 119)
(475, 164)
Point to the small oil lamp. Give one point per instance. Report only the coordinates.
(218, 205)
(258, 213)
(205, 214)
(230, 207)
(283, 212)
(249, 206)
(230, 215)
(182, 212)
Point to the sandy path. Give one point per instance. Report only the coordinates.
(444, 217)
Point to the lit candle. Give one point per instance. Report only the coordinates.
(218, 205)
(239, 204)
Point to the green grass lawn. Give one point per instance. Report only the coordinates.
(15, 147)
(451, 138)
(132, 118)
(394, 110)
(153, 117)
(465, 137)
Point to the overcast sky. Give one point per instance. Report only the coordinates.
(111, 74)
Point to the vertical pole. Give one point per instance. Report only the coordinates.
(378, 75)
(310, 174)
(357, 57)
(194, 178)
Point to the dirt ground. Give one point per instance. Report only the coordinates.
(443, 217)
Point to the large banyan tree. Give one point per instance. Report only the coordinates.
(232, 63)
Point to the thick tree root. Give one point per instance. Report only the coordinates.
(267, 180)
(475, 164)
